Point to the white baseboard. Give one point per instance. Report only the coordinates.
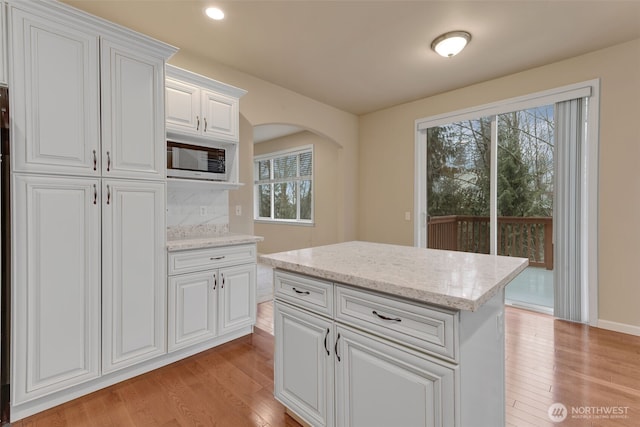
(619, 327)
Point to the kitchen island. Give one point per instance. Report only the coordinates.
(371, 334)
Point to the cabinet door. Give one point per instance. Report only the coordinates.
(192, 308)
(304, 364)
(237, 296)
(54, 95)
(3, 43)
(134, 282)
(183, 107)
(379, 383)
(220, 116)
(133, 135)
(55, 284)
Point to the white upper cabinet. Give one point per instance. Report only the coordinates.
(56, 277)
(133, 136)
(54, 94)
(3, 44)
(201, 108)
(73, 75)
(220, 116)
(183, 107)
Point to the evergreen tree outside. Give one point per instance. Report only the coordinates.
(458, 167)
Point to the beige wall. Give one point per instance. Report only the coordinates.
(386, 174)
(243, 196)
(281, 237)
(268, 103)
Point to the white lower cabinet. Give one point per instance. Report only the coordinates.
(237, 297)
(331, 371)
(347, 356)
(134, 273)
(380, 384)
(56, 292)
(192, 309)
(210, 296)
(89, 263)
(304, 363)
(377, 383)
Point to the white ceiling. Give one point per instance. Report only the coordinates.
(365, 55)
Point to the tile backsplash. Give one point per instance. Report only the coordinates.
(197, 206)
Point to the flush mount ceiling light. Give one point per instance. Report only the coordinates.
(214, 13)
(451, 43)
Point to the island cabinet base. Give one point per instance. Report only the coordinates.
(369, 359)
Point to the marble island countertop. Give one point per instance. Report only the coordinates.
(458, 280)
(199, 237)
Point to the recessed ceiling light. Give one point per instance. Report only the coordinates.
(214, 13)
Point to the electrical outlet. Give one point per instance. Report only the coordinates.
(407, 216)
(238, 210)
(203, 210)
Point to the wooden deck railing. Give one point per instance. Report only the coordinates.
(522, 237)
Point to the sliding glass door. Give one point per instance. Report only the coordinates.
(524, 172)
(489, 185)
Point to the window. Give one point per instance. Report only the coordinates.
(283, 186)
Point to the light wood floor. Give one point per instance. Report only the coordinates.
(547, 361)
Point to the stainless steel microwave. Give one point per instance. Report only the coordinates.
(193, 161)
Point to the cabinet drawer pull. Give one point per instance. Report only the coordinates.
(301, 292)
(215, 282)
(325, 341)
(397, 319)
(108, 194)
(222, 281)
(95, 194)
(216, 258)
(95, 160)
(108, 161)
(335, 349)
(197, 122)
(205, 124)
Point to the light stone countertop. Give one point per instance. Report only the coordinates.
(226, 239)
(458, 280)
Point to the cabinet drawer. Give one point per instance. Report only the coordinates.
(314, 294)
(210, 258)
(429, 329)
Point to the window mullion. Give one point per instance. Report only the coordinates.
(272, 190)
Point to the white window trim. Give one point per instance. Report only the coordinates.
(590, 89)
(273, 155)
